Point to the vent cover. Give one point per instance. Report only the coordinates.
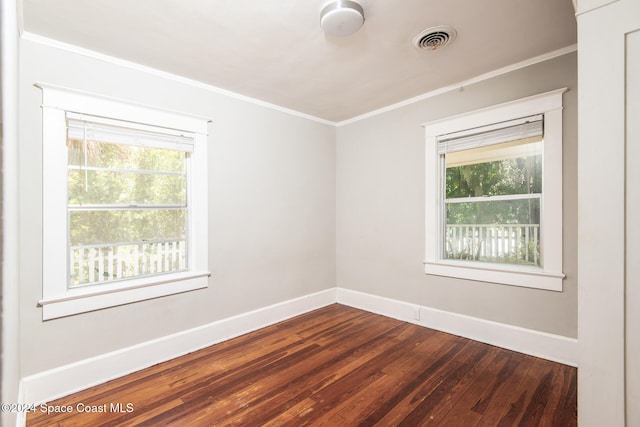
(434, 37)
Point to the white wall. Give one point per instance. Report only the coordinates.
(10, 370)
(272, 210)
(380, 206)
(608, 341)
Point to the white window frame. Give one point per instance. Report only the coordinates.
(57, 300)
(549, 276)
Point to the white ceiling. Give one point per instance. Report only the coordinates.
(275, 51)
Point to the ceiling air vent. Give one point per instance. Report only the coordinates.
(434, 37)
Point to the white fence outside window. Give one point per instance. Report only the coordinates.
(101, 263)
(506, 243)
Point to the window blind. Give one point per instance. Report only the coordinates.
(92, 128)
(512, 130)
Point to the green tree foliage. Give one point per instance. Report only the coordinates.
(126, 178)
(503, 177)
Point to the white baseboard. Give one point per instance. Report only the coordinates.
(548, 346)
(64, 380)
(52, 384)
(20, 417)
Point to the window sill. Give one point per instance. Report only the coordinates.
(496, 273)
(81, 300)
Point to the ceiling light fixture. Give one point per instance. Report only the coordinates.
(341, 18)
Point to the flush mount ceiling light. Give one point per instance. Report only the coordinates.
(341, 18)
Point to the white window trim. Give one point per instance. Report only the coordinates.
(548, 277)
(57, 300)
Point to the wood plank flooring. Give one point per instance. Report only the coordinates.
(336, 366)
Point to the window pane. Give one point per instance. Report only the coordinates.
(125, 188)
(118, 240)
(93, 227)
(118, 244)
(504, 231)
(509, 168)
(505, 228)
(102, 263)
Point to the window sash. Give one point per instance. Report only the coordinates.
(496, 248)
(109, 257)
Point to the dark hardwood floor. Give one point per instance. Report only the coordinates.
(337, 366)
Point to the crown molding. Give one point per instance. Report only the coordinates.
(465, 83)
(195, 83)
(46, 41)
